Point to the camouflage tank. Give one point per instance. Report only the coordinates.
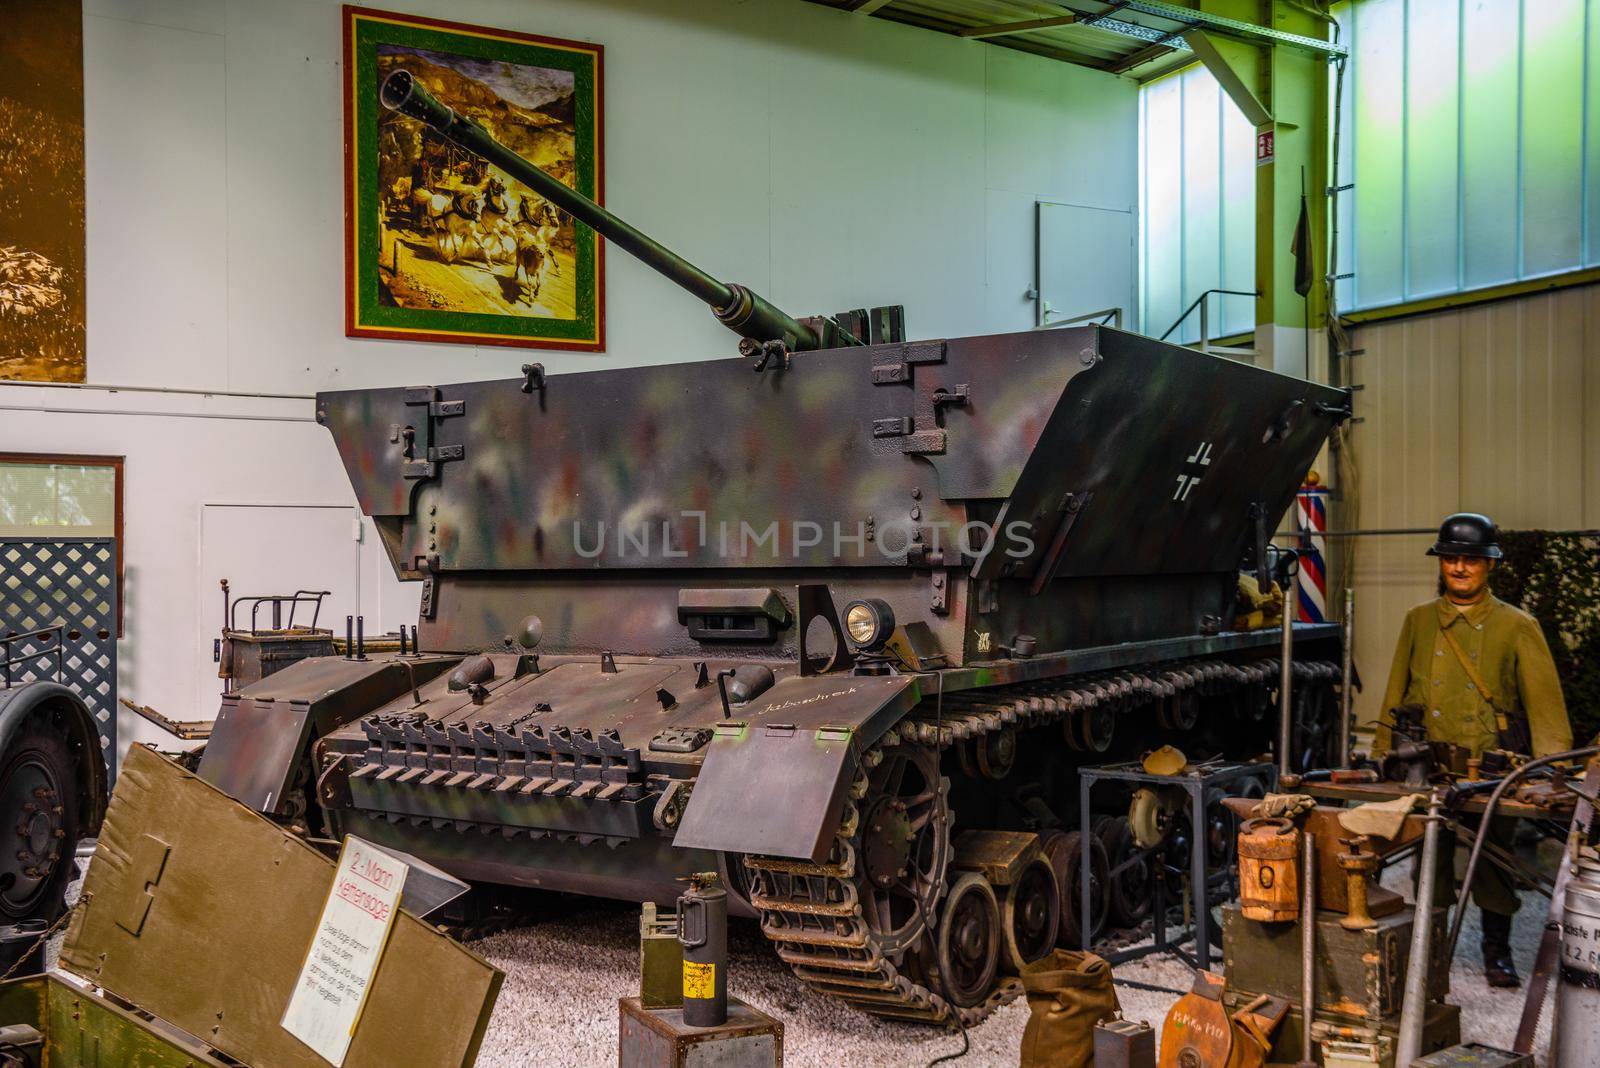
(797, 616)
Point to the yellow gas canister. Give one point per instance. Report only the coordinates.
(1269, 882)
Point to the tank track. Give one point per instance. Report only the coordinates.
(810, 912)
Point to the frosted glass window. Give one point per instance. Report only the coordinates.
(1469, 132)
(51, 499)
(1196, 206)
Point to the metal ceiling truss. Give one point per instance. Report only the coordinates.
(1158, 42)
(1201, 20)
(1189, 18)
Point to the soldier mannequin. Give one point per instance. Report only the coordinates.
(1507, 654)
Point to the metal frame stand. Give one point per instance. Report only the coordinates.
(1195, 783)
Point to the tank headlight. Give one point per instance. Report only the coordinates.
(868, 623)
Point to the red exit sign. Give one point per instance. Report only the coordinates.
(1264, 147)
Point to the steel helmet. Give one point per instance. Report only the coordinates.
(1467, 534)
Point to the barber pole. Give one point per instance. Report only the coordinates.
(1311, 513)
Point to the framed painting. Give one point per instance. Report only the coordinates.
(441, 245)
(42, 251)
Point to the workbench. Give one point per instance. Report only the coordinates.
(1553, 803)
(1540, 800)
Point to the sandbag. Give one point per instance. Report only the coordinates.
(1068, 993)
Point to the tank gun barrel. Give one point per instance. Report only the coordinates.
(739, 309)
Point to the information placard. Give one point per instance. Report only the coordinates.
(344, 954)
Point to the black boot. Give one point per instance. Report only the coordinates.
(1498, 967)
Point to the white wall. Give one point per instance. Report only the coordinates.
(828, 161)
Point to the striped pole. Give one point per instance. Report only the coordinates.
(1311, 513)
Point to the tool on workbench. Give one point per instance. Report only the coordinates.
(1359, 865)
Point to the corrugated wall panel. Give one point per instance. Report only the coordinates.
(1494, 408)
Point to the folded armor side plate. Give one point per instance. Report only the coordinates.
(774, 778)
(260, 733)
(200, 911)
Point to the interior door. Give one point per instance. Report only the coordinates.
(271, 549)
(1084, 263)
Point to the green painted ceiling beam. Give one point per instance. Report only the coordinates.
(1283, 88)
(1245, 26)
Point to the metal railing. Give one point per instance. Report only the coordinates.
(1203, 302)
(50, 639)
(1100, 317)
(277, 601)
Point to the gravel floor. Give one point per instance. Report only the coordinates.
(564, 976)
(558, 1007)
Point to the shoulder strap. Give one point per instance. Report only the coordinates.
(1466, 665)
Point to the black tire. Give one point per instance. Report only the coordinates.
(1130, 891)
(36, 861)
(1064, 852)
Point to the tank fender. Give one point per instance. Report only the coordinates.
(20, 703)
(774, 780)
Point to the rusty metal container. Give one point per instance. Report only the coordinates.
(1577, 1024)
(659, 1038)
(251, 656)
(1269, 870)
(1124, 1044)
(1361, 973)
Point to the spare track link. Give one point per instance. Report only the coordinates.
(810, 911)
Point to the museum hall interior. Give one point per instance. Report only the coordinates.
(827, 533)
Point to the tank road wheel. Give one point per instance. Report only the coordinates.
(1254, 704)
(904, 843)
(997, 753)
(965, 760)
(1315, 717)
(1096, 727)
(1222, 832)
(1064, 852)
(1180, 712)
(1130, 889)
(966, 958)
(39, 814)
(1030, 916)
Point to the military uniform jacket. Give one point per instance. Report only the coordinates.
(1509, 653)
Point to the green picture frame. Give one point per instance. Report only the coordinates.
(442, 246)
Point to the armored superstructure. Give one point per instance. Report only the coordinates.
(837, 618)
